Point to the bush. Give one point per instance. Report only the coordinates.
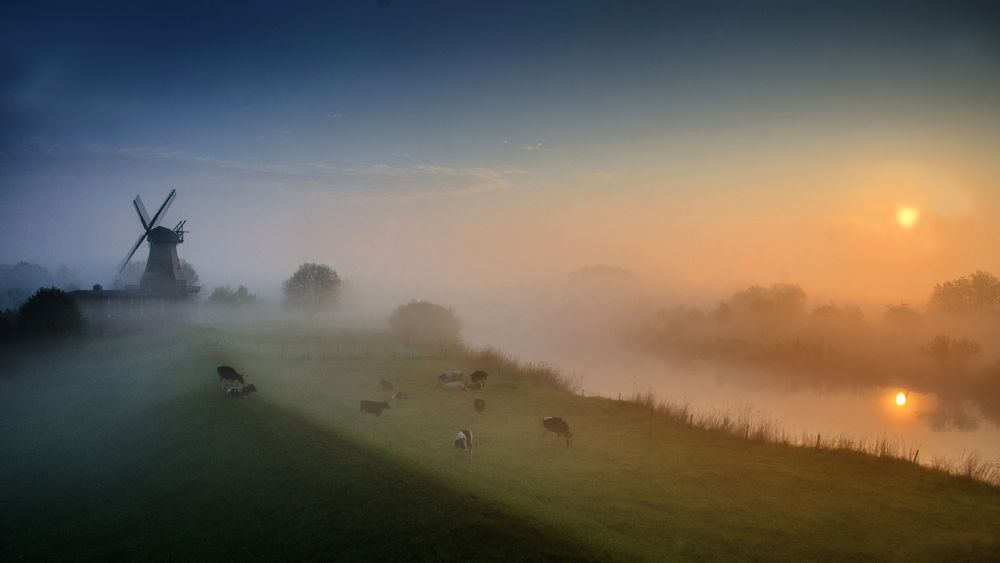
(49, 312)
(228, 298)
(6, 324)
(312, 287)
(422, 323)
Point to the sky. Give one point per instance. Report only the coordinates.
(439, 147)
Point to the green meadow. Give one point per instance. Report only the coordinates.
(125, 449)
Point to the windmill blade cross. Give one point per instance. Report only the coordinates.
(163, 209)
(143, 214)
(121, 266)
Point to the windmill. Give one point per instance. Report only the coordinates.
(163, 268)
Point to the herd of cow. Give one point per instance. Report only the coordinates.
(234, 385)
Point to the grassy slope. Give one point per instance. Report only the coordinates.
(153, 469)
(106, 459)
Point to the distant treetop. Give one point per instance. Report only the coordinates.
(977, 293)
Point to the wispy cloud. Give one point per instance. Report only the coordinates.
(376, 181)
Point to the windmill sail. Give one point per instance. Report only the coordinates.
(148, 225)
(121, 266)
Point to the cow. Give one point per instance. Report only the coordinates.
(454, 385)
(473, 387)
(479, 406)
(227, 373)
(451, 375)
(479, 377)
(557, 425)
(401, 395)
(464, 441)
(240, 391)
(386, 386)
(374, 407)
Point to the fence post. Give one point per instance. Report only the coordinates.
(915, 454)
(817, 441)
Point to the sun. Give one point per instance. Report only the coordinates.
(901, 398)
(908, 217)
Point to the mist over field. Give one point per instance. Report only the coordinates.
(464, 260)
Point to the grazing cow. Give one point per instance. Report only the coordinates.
(386, 386)
(227, 373)
(451, 375)
(454, 385)
(464, 442)
(557, 425)
(473, 387)
(479, 406)
(401, 395)
(249, 390)
(374, 407)
(479, 377)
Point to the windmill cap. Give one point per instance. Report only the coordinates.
(163, 234)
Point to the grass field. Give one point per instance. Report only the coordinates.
(125, 450)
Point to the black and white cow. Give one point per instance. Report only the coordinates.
(464, 441)
(451, 375)
(374, 407)
(479, 377)
(228, 374)
(557, 425)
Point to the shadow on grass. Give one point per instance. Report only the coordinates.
(200, 478)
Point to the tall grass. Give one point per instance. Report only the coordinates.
(509, 366)
(746, 423)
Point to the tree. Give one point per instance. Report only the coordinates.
(422, 323)
(780, 301)
(952, 354)
(312, 287)
(7, 324)
(227, 297)
(49, 312)
(901, 315)
(976, 293)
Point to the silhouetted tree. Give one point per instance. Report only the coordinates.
(227, 297)
(975, 293)
(425, 324)
(7, 324)
(901, 315)
(777, 302)
(312, 287)
(19, 281)
(49, 312)
(952, 354)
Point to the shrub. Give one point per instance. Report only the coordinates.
(312, 287)
(422, 323)
(49, 312)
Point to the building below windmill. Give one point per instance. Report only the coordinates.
(162, 297)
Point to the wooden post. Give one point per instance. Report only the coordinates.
(746, 434)
(915, 454)
(817, 441)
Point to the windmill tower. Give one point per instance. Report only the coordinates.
(163, 267)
